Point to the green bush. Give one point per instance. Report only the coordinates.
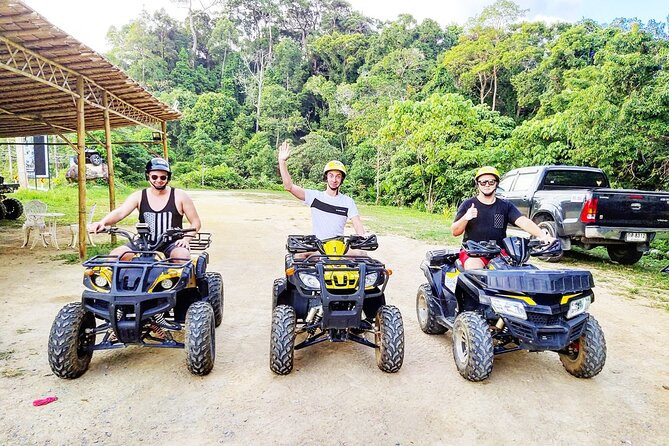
(219, 177)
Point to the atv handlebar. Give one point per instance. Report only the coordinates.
(482, 249)
(538, 248)
(306, 243)
(141, 240)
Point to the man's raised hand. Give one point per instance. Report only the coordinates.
(284, 151)
(472, 213)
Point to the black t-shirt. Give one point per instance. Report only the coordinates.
(491, 222)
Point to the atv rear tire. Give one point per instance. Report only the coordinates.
(282, 340)
(472, 346)
(215, 296)
(200, 338)
(278, 284)
(68, 341)
(590, 354)
(426, 311)
(624, 254)
(13, 208)
(389, 334)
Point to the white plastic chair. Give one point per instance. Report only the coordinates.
(74, 230)
(34, 221)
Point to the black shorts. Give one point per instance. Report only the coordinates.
(166, 249)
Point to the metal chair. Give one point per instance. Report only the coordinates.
(34, 220)
(74, 230)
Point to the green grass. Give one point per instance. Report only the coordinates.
(91, 251)
(6, 355)
(65, 199)
(409, 222)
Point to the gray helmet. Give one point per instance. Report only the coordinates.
(158, 164)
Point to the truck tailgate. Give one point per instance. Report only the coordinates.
(632, 208)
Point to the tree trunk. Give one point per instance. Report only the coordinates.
(494, 82)
(377, 180)
(202, 181)
(192, 31)
(225, 56)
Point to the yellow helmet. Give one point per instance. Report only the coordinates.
(334, 165)
(487, 170)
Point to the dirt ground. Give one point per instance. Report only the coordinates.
(336, 394)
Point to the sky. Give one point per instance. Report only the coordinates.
(89, 20)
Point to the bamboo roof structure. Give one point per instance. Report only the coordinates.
(39, 68)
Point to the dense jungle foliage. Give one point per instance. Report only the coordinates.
(411, 108)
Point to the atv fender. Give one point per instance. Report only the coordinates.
(201, 265)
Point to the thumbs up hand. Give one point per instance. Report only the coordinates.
(472, 213)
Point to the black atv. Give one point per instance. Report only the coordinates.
(148, 300)
(510, 305)
(10, 207)
(324, 296)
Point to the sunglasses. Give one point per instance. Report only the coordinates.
(487, 182)
(162, 177)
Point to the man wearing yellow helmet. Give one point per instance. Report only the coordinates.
(330, 209)
(485, 217)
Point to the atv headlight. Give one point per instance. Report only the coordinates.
(371, 278)
(101, 281)
(578, 306)
(166, 284)
(310, 281)
(509, 307)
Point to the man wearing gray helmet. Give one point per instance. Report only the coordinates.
(160, 206)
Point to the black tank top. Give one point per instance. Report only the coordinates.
(160, 221)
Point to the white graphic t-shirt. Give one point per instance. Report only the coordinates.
(329, 214)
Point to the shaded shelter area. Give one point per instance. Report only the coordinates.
(52, 84)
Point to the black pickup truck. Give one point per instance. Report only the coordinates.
(578, 205)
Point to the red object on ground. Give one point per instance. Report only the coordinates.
(47, 400)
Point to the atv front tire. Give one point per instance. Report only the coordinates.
(215, 296)
(200, 338)
(472, 346)
(426, 311)
(68, 351)
(13, 208)
(389, 334)
(586, 357)
(282, 341)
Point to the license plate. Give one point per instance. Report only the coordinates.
(635, 237)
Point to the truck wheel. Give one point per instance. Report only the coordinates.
(276, 286)
(200, 338)
(586, 357)
(68, 349)
(550, 228)
(472, 346)
(389, 334)
(215, 297)
(282, 341)
(624, 254)
(13, 208)
(426, 311)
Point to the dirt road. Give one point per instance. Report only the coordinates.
(336, 394)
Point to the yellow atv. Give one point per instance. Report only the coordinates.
(330, 296)
(144, 301)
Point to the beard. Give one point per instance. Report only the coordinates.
(159, 187)
(489, 194)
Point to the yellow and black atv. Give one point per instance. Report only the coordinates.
(146, 300)
(330, 296)
(510, 305)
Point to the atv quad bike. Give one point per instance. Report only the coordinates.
(324, 296)
(510, 305)
(148, 300)
(10, 207)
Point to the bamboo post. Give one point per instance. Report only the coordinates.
(81, 145)
(110, 158)
(163, 127)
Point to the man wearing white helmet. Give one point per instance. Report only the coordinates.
(330, 209)
(485, 217)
